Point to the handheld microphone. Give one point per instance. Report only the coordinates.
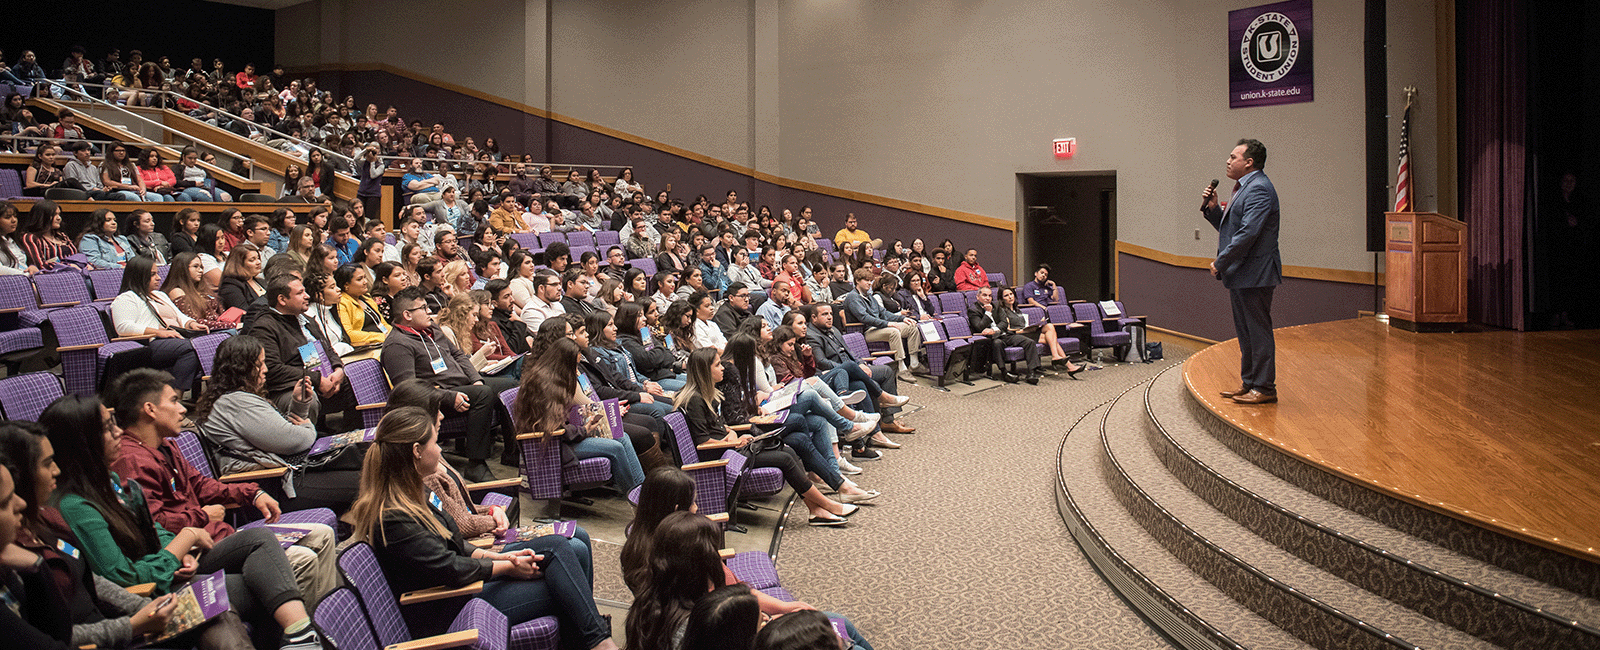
(1211, 188)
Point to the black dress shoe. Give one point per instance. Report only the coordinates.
(1033, 379)
(1074, 373)
(1008, 377)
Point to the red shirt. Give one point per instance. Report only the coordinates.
(970, 277)
(175, 490)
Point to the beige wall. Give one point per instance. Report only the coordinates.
(939, 102)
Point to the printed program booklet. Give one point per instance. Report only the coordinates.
(201, 600)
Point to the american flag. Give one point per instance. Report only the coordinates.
(1402, 193)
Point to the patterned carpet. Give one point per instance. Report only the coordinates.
(966, 549)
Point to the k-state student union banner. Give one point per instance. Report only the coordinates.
(1269, 54)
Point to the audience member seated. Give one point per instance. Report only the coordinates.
(323, 314)
(42, 238)
(212, 247)
(13, 259)
(239, 285)
(42, 173)
(419, 547)
(987, 319)
(941, 278)
(359, 314)
(900, 332)
(102, 245)
(185, 232)
(139, 227)
(120, 178)
(812, 424)
(700, 402)
(468, 321)
(454, 499)
(653, 360)
(550, 389)
(733, 310)
(141, 309)
(969, 276)
(415, 348)
(250, 433)
(850, 234)
(286, 338)
(194, 182)
(186, 286)
(65, 601)
(122, 543)
(828, 348)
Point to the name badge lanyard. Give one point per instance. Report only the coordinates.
(435, 354)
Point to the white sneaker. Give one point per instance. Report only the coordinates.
(889, 400)
(853, 397)
(859, 431)
(846, 468)
(867, 418)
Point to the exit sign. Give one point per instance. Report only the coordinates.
(1065, 147)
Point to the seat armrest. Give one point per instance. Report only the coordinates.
(462, 639)
(717, 444)
(53, 305)
(494, 485)
(721, 517)
(374, 405)
(142, 589)
(136, 337)
(725, 553)
(255, 475)
(705, 465)
(740, 427)
(536, 435)
(885, 353)
(485, 540)
(439, 593)
(12, 310)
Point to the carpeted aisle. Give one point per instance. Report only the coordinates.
(966, 549)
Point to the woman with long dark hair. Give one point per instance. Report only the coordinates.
(550, 387)
(701, 402)
(42, 238)
(419, 547)
(141, 309)
(13, 259)
(123, 544)
(651, 358)
(101, 244)
(186, 285)
(250, 433)
(682, 566)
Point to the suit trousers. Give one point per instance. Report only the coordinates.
(1252, 322)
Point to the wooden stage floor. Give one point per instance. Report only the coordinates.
(1501, 429)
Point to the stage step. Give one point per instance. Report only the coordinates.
(1495, 604)
(1189, 610)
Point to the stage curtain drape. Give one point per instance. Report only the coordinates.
(1493, 85)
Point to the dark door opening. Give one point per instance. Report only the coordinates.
(1069, 222)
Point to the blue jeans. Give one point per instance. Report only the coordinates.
(124, 195)
(808, 402)
(566, 591)
(675, 383)
(659, 408)
(157, 197)
(192, 194)
(856, 640)
(626, 471)
(808, 437)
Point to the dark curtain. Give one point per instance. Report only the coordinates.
(1492, 69)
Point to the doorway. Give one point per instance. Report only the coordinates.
(1069, 221)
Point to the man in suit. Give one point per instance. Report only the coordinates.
(1249, 265)
(880, 383)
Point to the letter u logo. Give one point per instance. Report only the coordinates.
(1269, 46)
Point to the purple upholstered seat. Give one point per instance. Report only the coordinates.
(548, 238)
(945, 355)
(26, 396)
(206, 346)
(388, 626)
(84, 347)
(646, 265)
(371, 388)
(1089, 313)
(107, 283)
(541, 462)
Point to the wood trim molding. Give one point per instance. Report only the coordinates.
(897, 204)
(1162, 331)
(1300, 272)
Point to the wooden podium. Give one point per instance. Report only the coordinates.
(1426, 267)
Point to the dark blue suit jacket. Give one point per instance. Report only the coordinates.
(1247, 235)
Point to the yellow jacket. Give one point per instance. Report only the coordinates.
(362, 319)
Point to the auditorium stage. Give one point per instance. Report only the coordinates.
(1500, 429)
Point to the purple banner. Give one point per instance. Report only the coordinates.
(1269, 54)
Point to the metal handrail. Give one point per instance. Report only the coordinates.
(41, 138)
(500, 163)
(326, 153)
(248, 162)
